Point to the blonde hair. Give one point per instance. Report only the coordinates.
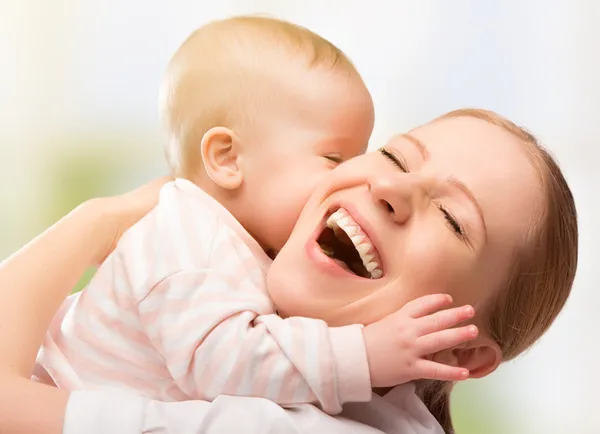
(542, 275)
(222, 70)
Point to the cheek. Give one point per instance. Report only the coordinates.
(284, 199)
(436, 261)
(293, 198)
(299, 185)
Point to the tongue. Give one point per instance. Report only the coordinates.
(329, 252)
(341, 264)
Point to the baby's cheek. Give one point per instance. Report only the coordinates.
(297, 195)
(293, 193)
(283, 221)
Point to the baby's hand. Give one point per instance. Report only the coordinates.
(398, 345)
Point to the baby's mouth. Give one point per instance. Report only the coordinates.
(344, 241)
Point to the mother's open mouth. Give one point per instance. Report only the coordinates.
(344, 241)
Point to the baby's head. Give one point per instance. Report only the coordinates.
(257, 111)
(468, 204)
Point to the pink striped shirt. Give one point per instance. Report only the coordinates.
(180, 311)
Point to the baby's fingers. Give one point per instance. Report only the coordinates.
(443, 319)
(429, 370)
(426, 305)
(438, 341)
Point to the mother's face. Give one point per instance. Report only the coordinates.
(442, 209)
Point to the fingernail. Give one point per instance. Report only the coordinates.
(469, 310)
(472, 330)
(465, 374)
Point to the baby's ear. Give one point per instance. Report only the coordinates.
(220, 151)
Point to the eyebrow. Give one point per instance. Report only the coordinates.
(452, 181)
(419, 144)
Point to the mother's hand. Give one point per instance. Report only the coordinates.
(125, 210)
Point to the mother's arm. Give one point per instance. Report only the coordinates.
(33, 284)
(36, 279)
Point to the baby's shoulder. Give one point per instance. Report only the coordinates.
(178, 232)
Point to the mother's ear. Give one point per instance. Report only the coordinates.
(220, 150)
(480, 356)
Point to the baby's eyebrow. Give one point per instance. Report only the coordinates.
(419, 144)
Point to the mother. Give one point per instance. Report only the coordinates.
(530, 259)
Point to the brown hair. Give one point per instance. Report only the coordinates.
(224, 69)
(542, 276)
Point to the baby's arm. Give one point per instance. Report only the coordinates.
(214, 342)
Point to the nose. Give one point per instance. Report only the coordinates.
(398, 194)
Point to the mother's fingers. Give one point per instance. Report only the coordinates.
(127, 209)
(147, 194)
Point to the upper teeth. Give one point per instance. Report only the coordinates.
(342, 220)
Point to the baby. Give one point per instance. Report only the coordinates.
(257, 113)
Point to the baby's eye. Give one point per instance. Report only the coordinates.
(337, 159)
